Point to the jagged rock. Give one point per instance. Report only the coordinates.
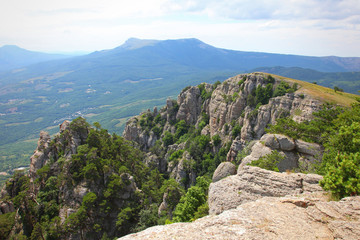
(71, 138)
(270, 218)
(133, 132)
(171, 198)
(164, 204)
(6, 207)
(41, 154)
(236, 146)
(130, 186)
(183, 170)
(252, 183)
(223, 170)
(226, 108)
(153, 161)
(189, 105)
(80, 191)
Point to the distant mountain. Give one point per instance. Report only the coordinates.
(12, 57)
(349, 81)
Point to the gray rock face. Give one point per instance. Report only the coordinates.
(311, 149)
(298, 154)
(278, 141)
(189, 105)
(182, 169)
(227, 109)
(252, 183)
(303, 217)
(41, 154)
(223, 170)
(153, 161)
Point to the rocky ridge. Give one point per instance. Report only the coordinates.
(251, 183)
(295, 217)
(237, 111)
(53, 170)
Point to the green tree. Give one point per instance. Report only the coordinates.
(168, 139)
(195, 198)
(269, 161)
(343, 177)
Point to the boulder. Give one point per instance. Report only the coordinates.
(302, 217)
(223, 170)
(311, 149)
(278, 141)
(252, 183)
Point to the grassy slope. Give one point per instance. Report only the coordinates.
(322, 93)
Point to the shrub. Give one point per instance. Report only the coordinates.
(216, 140)
(343, 178)
(236, 131)
(168, 139)
(176, 155)
(269, 161)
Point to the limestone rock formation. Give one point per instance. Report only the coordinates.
(189, 105)
(297, 154)
(301, 217)
(252, 183)
(41, 154)
(227, 111)
(223, 170)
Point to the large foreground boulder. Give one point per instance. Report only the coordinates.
(270, 218)
(252, 183)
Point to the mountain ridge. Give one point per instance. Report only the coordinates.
(12, 57)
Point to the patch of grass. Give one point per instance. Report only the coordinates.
(321, 93)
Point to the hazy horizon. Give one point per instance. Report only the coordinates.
(311, 28)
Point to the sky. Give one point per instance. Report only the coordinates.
(302, 27)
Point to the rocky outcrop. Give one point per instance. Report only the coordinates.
(41, 154)
(252, 183)
(297, 154)
(189, 105)
(223, 170)
(6, 207)
(229, 110)
(182, 169)
(67, 141)
(302, 217)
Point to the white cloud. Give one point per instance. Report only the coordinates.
(270, 9)
(311, 27)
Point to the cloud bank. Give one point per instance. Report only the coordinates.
(311, 27)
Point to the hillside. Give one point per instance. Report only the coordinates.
(85, 183)
(13, 57)
(348, 81)
(112, 85)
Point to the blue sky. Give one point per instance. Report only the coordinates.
(304, 27)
